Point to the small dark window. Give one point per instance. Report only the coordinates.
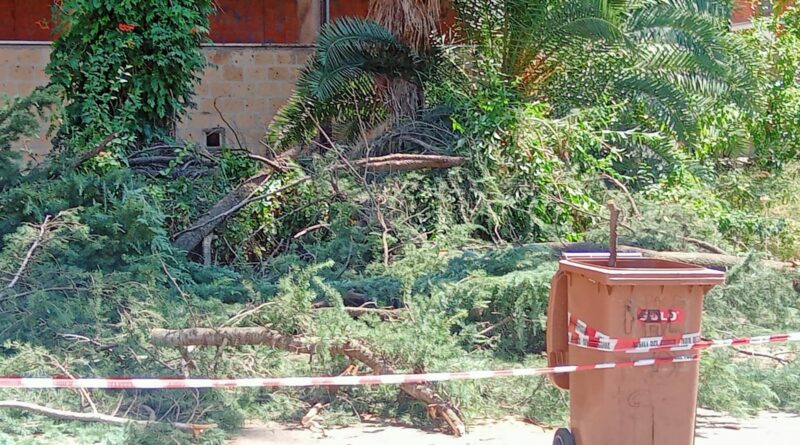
(215, 137)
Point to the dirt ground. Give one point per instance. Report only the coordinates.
(767, 428)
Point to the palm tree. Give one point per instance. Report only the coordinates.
(662, 59)
(665, 56)
(414, 22)
(357, 65)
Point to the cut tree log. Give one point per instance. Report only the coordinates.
(83, 157)
(352, 349)
(406, 162)
(711, 260)
(232, 337)
(423, 392)
(196, 429)
(192, 237)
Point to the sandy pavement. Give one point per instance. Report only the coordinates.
(766, 429)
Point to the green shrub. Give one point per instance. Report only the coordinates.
(127, 67)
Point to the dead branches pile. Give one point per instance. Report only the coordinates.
(172, 161)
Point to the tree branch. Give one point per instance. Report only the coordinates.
(352, 349)
(358, 312)
(38, 241)
(234, 201)
(94, 417)
(92, 153)
(780, 360)
(405, 162)
(232, 337)
(712, 260)
(624, 190)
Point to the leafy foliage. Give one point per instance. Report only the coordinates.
(777, 42)
(19, 117)
(127, 67)
(663, 59)
(340, 77)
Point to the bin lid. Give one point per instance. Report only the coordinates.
(636, 269)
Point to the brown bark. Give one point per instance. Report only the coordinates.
(192, 237)
(403, 98)
(414, 22)
(423, 392)
(232, 337)
(612, 236)
(352, 349)
(712, 260)
(94, 152)
(93, 417)
(405, 162)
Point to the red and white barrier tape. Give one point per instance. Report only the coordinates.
(582, 335)
(392, 379)
(664, 344)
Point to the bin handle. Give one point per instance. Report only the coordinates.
(558, 328)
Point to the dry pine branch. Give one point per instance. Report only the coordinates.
(352, 349)
(41, 237)
(196, 429)
(712, 260)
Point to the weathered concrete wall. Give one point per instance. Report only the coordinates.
(249, 84)
(22, 70)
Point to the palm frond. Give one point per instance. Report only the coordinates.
(351, 39)
(340, 77)
(654, 142)
(663, 100)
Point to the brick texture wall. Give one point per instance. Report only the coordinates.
(22, 70)
(249, 84)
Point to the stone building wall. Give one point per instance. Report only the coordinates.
(249, 83)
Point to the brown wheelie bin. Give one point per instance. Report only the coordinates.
(596, 315)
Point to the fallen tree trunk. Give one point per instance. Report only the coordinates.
(711, 260)
(423, 392)
(190, 238)
(352, 349)
(193, 236)
(232, 337)
(95, 417)
(405, 162)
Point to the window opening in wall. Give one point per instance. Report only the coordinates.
(215, 137)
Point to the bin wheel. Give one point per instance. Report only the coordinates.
(563, 437)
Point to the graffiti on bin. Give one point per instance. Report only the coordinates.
(659, 315)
